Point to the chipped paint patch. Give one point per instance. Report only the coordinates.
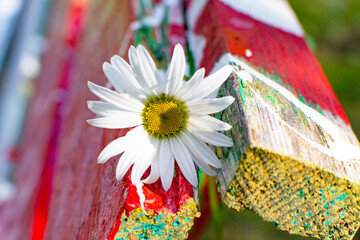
(137, 225)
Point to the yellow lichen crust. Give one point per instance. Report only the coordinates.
(300, 199)
(139, 225)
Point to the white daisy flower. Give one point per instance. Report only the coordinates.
(168, 116)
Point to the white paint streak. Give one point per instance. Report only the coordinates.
(194, 11)
(175, 12)
(157, 14)
(339, 148)
(248, 53)
(153, 20)
(197, 44)
(244, 75)
(140, 192)
(273, 113)
(6, 190)
(276, 13)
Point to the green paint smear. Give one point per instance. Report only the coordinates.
(242, 94)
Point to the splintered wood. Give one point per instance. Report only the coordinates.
(295, 160)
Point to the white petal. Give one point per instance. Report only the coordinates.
(213, 138)
(125, 162)
(104, 109)
(114, 76)
(134, 139)
(123, 101)
(196, 154)
(120, 144)
(122, 66)
(183, 159)
(189, 87)
(147, 66)
(137, 68)
(142, 161)
(207, 123)
(203, 166)
(176, 70)
(209, 106)
(119, 80)
(155, 172)
(212, 82)
(166, 162)
(126, 120)
(114, 148)
(200, 149)
(148, 58)
(160, 75)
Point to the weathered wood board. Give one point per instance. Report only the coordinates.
(296, 161)
(62, 192)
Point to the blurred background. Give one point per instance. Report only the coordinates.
(333, 32)
(22, 28)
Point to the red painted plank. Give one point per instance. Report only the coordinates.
(275, 51)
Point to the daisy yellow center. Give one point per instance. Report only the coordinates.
(164, 116)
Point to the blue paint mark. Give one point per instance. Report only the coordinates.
(301, 193)
(309, 214)
(187, 219)
(294, 222)
(156, 229)
(176, 223)
(326, 205)
(158, 217)
(327, 223)
(327, 213)
(342, 215)
(322, 196)
(342, 196)
(333, 192)
(307, 225)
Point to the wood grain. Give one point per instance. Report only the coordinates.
(273, 138)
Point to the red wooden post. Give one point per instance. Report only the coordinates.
(296, 159)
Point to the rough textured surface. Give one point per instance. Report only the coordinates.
(138, 224)
(300, 199)
(87, 195)
(60, 185)
(263, 118)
